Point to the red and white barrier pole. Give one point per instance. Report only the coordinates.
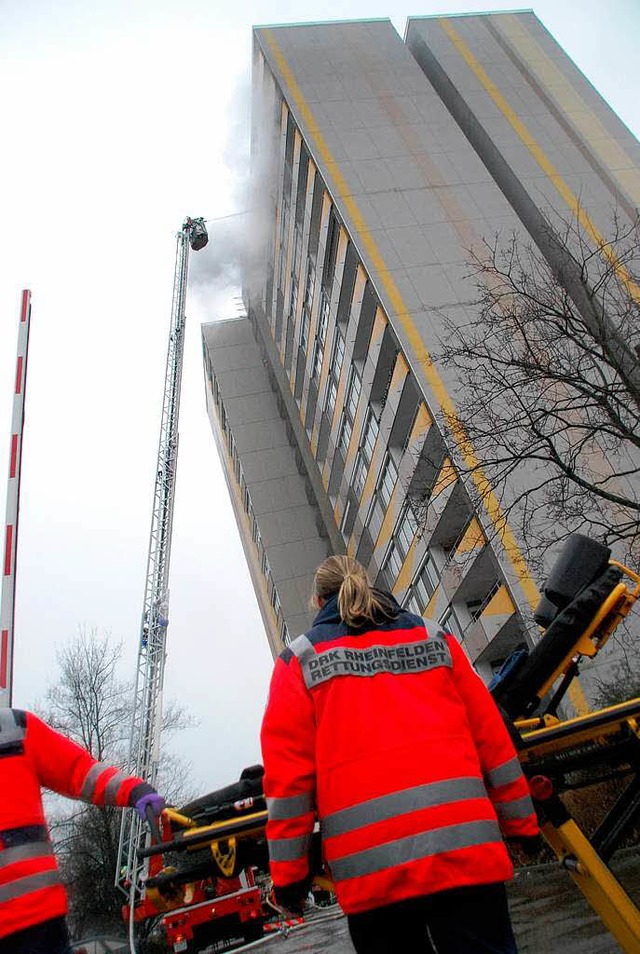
(7, 606)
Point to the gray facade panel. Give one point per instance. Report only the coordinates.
(287, 559)
(266, 465)
(564, 120)
(264, 435)
(279, 493)
(252, 408)
(271, 500)
(288, 525)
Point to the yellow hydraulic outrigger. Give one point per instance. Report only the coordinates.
(587, 595)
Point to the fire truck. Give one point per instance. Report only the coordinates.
(211, 910)
(229, 914)
(207, 891)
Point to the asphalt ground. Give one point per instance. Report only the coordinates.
(550, 916)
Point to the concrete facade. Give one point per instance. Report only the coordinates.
(280, 527)
(378, 164)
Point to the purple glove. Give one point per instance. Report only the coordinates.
(151, 800)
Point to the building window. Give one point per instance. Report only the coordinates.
(399, 546)
(307, 304)
(333, 235)
(284, 633)
(388, 480)
(392, 562)
(353, 394)
(450, 623)
(309, 291)
(338, 356)
(304, 328)
(297, 252)
(382, 495)
(246, 500)
(310, 286)
(348, 518)
(412, 603)
(369, 436)
(321, 337)
(344, 435)
(359, 476)
(406, 530)
(335, 368)
(293, 299)
(365, 452)
(425, 582)
(332, 396)
(284, 235)
(352, 397)
(255, 532)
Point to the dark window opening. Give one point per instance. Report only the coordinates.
(331, 251)
(365, 324)
(316, 212)
(389, 351)
(348, 283)
(301, 192)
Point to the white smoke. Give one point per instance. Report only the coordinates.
(238, 236)
(215, 272)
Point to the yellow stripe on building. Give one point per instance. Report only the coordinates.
(559, 87)
(538, 153)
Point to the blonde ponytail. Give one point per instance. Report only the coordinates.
(357, 602)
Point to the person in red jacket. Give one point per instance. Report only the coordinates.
(33, 902)
(383, 732)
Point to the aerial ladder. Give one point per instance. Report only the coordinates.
(144, 743)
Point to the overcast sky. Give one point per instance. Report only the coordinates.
(118, 119)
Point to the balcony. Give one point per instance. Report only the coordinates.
(497, 624)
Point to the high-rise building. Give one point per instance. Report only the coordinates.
(377, 164)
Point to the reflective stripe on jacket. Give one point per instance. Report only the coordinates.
(393, 742)
(32, 754)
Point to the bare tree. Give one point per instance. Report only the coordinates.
(89, 702)
(549, 385)
(92, 705)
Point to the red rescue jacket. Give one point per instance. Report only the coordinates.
(389, 737)
(32, 755)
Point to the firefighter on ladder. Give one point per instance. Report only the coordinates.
(384, 732)
(33, 901)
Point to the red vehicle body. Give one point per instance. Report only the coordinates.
(206, 920)
(197, 913)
